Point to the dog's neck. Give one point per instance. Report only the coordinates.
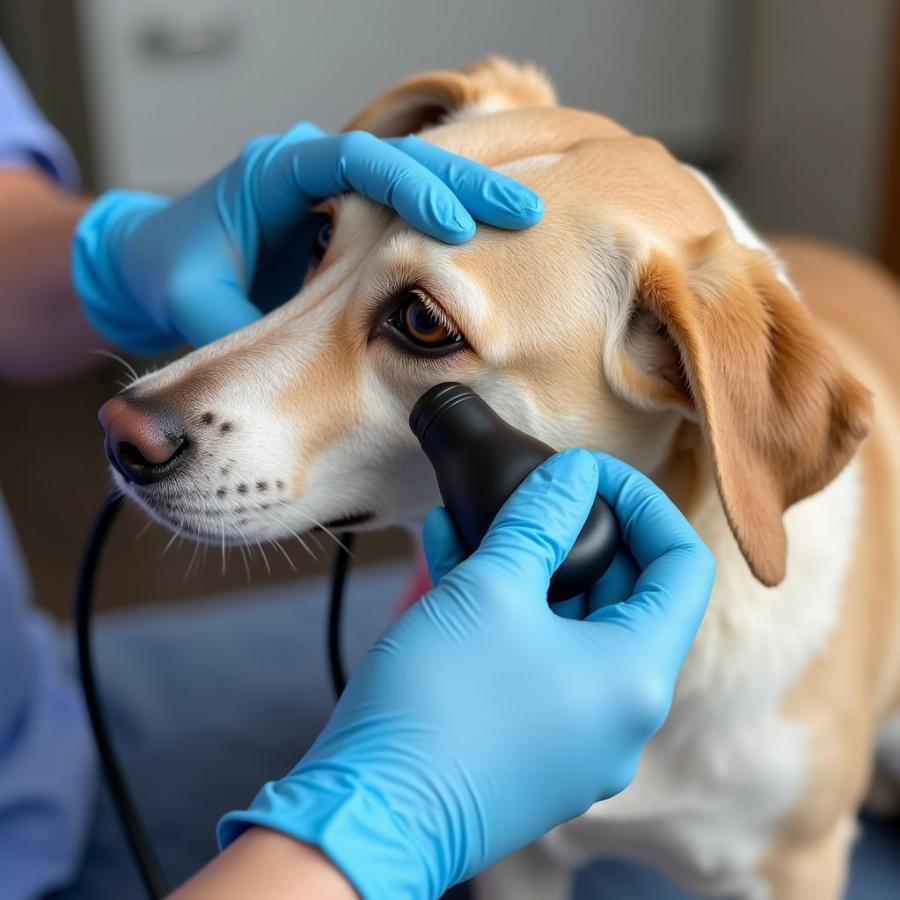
(749, 628)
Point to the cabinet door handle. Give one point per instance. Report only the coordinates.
(177, 39)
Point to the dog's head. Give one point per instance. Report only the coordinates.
(630, 320)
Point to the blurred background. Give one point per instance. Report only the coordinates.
(792, 106)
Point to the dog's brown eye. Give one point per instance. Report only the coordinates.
(419, 323)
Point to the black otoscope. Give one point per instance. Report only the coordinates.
(480, 459)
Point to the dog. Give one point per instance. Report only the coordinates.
(757, 382)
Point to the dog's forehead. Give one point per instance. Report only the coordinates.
(503, 137)
(590, 172)
(587, 162)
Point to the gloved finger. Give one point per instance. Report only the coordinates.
(536, 527)
(210, 310)
(358, 161)
(573, 608)
(672, 591)
(490, 197)
(667, 607)
(443, 548)
(616, 584)
(649, 522)
(304, 131)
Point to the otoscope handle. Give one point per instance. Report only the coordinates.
(480, 459)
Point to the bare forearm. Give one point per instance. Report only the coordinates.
(266, 865)
(43, 331)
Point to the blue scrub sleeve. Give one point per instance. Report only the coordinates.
(47, 763)
(26, 138)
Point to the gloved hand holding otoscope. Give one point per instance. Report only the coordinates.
(481, 719)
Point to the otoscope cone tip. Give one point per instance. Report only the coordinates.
(435, 401)
(480, 459)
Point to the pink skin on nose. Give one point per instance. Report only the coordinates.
(127, 424)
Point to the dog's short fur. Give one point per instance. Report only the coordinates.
(642, 317)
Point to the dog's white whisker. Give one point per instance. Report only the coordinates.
(284, 553)
(223, 550)
(197, 561)
(175, 535)
(262, 553)
(190, 567)
(129, 368)
(284, 526)
(245, 551)
(327, 531)
(291, 531)
(268, 514)
(246, 560)
(315, 537)
(144, 530)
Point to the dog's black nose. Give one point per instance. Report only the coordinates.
(143, 442)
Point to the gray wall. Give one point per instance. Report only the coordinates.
(788, 106)
(810, 154)
(177, 86)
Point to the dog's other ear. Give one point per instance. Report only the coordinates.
(723, 338)
(491, 85)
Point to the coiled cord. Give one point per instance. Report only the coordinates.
(141, 848)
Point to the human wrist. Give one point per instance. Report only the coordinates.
(266, 865)
(355, 824)
(44, 333)
(107, 299)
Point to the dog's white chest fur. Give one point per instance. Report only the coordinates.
(714, 784)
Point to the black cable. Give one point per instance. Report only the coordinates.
(142, 850)
(335, 610)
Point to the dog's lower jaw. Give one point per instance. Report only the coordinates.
(249, 520)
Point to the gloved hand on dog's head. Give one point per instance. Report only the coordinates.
(482, 718)
(154, 273)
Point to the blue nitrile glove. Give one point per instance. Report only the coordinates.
(481, 719)
(153, 273)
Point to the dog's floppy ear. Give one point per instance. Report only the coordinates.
(490, 85)
(722, 337)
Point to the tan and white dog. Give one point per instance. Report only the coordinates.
(645, 318)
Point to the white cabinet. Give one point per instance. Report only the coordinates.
(177, 86)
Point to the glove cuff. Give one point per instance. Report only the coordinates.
(108, 303)
(352, 824)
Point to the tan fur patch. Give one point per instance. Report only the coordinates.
(780, 414)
